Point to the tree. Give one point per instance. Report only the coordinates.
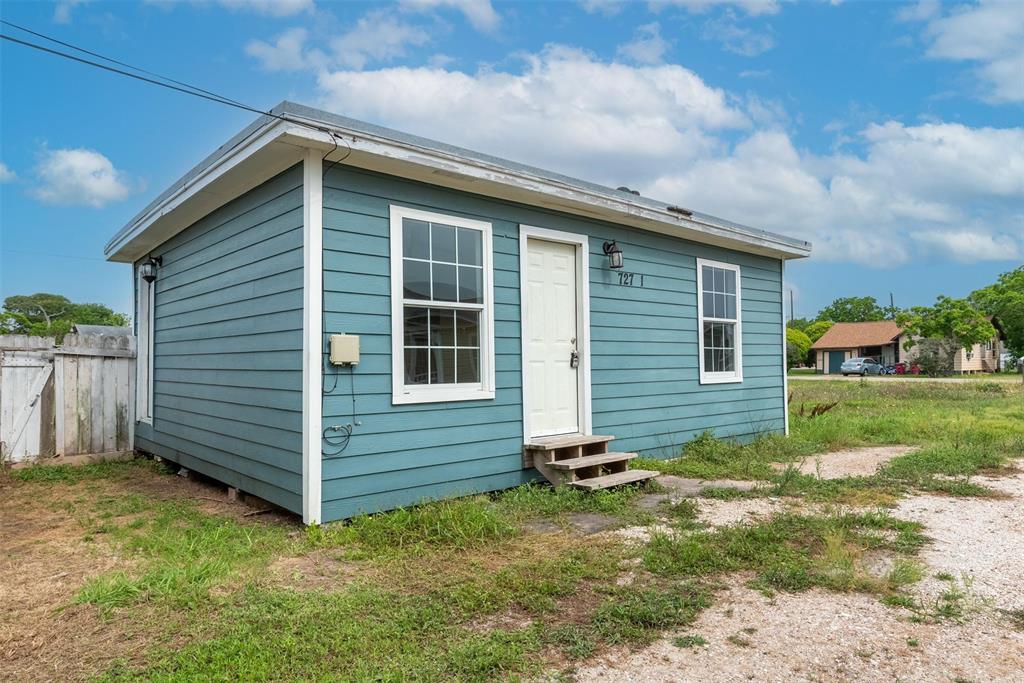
(797, 346)
(815, 330)
(1005, 300)
(53, 315)
(798, 323)
(950, 325)
(852, 309)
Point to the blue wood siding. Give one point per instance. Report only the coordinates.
(228, 345)
(643, 341)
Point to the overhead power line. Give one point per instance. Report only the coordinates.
(115, 61)
(159, 80)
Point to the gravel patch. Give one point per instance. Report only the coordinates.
(717, 513)
(819, 636)
(856, 462)
(980, 541)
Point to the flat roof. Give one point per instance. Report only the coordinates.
(256, 148)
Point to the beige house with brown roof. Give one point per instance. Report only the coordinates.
(883, 340)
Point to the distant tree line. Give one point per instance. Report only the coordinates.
(940, 330)
(53, 315)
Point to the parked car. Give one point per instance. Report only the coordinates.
(861, 366)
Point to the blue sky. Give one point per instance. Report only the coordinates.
(890, 135)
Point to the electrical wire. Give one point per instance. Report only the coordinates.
(335, 436)
(115, 61)
(171, 84)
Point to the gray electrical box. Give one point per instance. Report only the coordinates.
(344, 349)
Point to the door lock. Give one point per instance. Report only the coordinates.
(574, 359)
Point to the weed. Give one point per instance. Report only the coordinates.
(739, 641)
(912, 642)
(789, 552)
(1016, 617)
(687, 642)
(72, 474)
(945, 576)
(636, 615)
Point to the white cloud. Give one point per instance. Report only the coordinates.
(287, 53)
(736, 38)
(480, 13)
(608, 8)
(6, 174)
(989, 34)
(647, 46)
(78, 177)
(751, 7)
(63, 9)
(565, 110)
(969, 246)
(378, 36)
(914, 190)
(270, 8)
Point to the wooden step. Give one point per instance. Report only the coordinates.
(590, 461)
(617, 479)
(551, 443)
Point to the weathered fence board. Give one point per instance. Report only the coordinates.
(74, 399)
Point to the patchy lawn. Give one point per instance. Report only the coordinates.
(125, 571)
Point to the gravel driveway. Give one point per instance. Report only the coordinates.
(823, 636)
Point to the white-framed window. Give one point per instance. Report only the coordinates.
(442, 308)
(719, 322)
(144, 350)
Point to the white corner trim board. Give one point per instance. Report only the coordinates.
(785, 368)
(312, 341)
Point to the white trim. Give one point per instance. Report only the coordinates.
(582, 244)
(144, 353)
(402, 394)
(719, 377)
(312, 338)
(785, 364)
(277, 144)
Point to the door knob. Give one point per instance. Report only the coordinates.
(574, 359)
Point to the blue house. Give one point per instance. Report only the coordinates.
(342, 318)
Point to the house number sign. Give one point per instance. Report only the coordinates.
(631, 279)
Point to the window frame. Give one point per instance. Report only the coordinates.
(402, 393)
(144, 301)
(705, 376)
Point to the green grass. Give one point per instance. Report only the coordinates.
(460, 590)
(181, 552)
(689, 642)
(962, 429)
(72, 474)
(791, 552)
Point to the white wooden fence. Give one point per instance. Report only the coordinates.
(73, 399)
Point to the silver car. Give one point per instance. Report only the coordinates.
(862, 366)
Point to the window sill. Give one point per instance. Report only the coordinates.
(441, 396)
(714, 378)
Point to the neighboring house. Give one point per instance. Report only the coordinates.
(878, 339)
(885, 341)
(984, 357)
(480, 299)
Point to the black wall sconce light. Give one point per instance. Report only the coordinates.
(148, 269)
(611, 249)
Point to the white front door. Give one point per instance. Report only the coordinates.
(551, 329)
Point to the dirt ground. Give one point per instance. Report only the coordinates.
(856, 462)
(46, 556)
(823, 636)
